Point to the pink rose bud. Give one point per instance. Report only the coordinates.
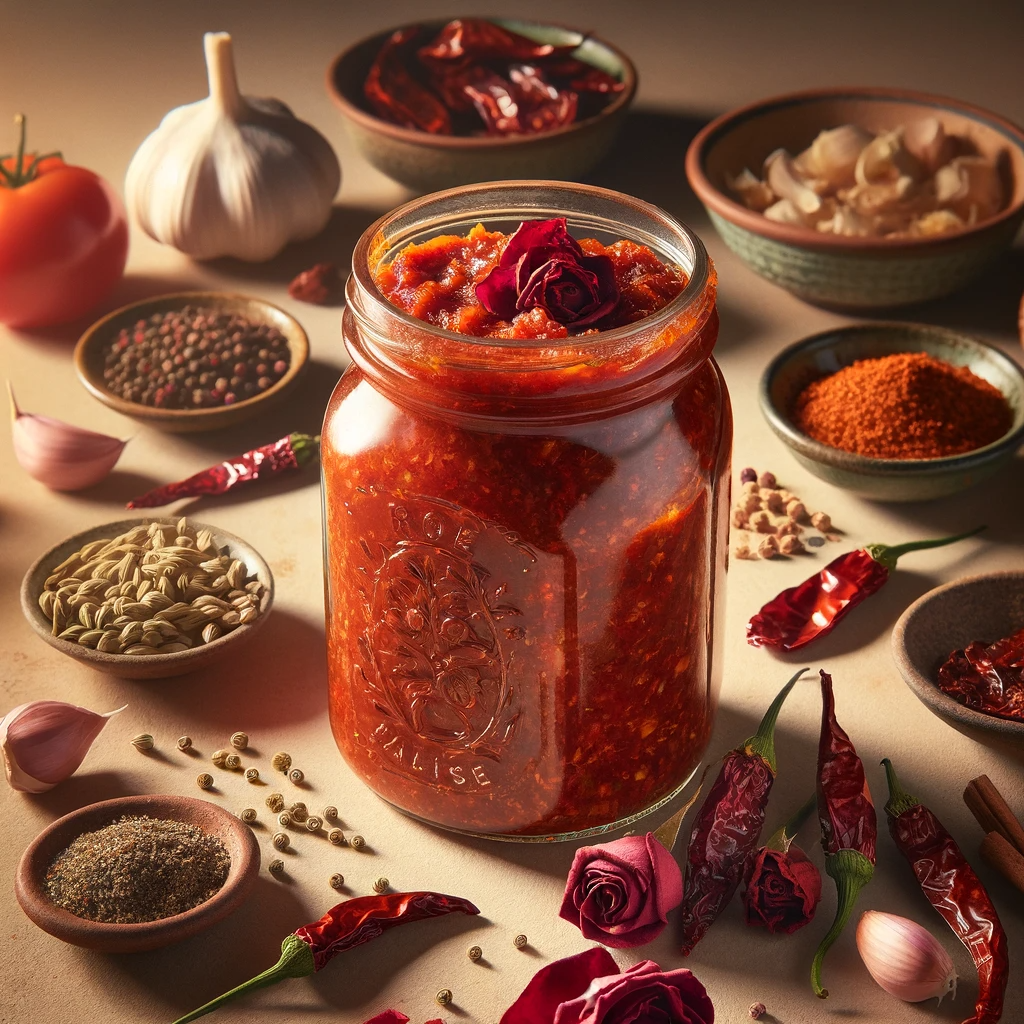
(782, 891)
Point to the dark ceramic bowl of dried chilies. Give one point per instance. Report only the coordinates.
(428, 161)
(982, 608)
(30, 881)
(891, 479)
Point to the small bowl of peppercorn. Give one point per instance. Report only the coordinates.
(192, 360)
(896, 411)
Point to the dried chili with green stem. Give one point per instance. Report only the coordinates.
(349, 924)
(849, 827)
(954, 890)
(728, 825)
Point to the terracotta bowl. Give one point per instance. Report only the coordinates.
(947, 619)
(832, 270)
(92, 347)
(30, 878)
(890, 479)
(427, 163)
(155, 666)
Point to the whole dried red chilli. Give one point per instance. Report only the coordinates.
(195, 358)
(849, 828)
(396, 96)
(291, 452)
(728, 825)
(954, 890)
(313, 946)
(811, 610)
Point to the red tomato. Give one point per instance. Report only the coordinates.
(63, 241)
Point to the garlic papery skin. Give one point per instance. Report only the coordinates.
(60, 455)
(45, 741)
(904, 958)
(231, 175)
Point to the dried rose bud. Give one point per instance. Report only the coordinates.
(795, 509)
(757, 1010)
(748, 475)
(767, 479)
(762, 522)
(768, 548)
(821, 521)
(790, 545)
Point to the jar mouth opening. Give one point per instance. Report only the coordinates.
(502, 205)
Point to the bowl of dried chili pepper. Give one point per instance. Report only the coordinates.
(896, 411)
(438, 104)
(960, 648)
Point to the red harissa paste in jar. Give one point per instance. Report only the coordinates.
(520, 612)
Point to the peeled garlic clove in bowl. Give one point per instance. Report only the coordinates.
(60, 455)
(231, 175)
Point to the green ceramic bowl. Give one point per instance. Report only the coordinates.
(428, 163)
(836, 271)
(890, 479)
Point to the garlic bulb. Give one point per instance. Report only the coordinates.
(904, 958)
(45, 741)
(231, 175)
(62, 456)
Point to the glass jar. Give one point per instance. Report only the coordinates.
(525, 540)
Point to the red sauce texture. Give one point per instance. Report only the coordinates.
(521, 618)
(436, 281)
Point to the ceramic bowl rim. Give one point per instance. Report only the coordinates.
(298, 346)
(804, 238)
(478, 143)
(924, 688)
(865, 465)
(62, 924)
(102, 660)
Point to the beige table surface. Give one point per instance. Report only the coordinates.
(94, 79)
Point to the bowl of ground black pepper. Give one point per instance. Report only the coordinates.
(193, 360)
(896, 411)
(137, 872)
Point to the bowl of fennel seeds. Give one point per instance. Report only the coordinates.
(137, 872)
(148, 598)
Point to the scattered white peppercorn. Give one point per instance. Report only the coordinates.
(248, 815)
(143, 741)
(232, 762)
(281, 762)
(314, 823)
(768, 548)
(184, 742)
(239, 740)
(757, 1010)
(275, 802)
(276, 867)
(204, 781)
(520, 941)
(337, 880)
(358, 842)
(298, 811)
(284, 819)
(296, 775)
(330, 812)
(252, 775)
(475, 953)
(218, 757)
(821, 521)
(381, 885)
(795, 509)
(336, 836)
(790, 545)
(281, 841)
(444, 997)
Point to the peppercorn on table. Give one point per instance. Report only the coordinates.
(93, 82)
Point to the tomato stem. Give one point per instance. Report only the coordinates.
(20, 174)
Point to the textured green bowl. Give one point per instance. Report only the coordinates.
(890, 479)
(836, 271)
(428, 163)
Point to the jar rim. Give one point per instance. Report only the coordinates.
(375, 239)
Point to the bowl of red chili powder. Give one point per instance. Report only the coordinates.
(896, 411)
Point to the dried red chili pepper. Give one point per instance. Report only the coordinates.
(317, 284)
(473, 39)
(806, 612)
(396, 96)
(954, 890)
(584, 77)
(349, 924)
(849, 828)
(987, 678)
(291, 452)
(728, 826)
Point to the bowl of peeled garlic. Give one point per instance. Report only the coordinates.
(862, 198)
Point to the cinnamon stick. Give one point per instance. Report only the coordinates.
(992, 811)
(998, 853)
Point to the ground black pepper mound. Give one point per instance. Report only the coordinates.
(138, 869)
(904, 406)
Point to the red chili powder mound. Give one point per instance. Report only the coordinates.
(904, 406)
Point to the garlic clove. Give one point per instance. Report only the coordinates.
(784, 212)
(904, 959)
(753, 192)
(232, 175)
(885, 159)
(969, 186)
(60, 455)
(45, 741)
(832, 156)
(783, 180)
(938, 222)
(927, 141)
